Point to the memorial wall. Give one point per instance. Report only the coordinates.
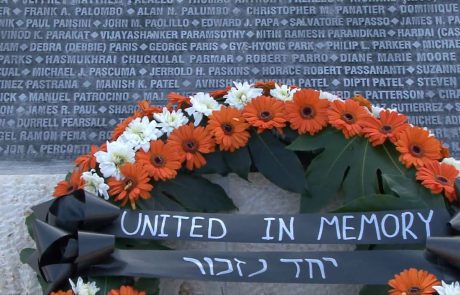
(71, 70)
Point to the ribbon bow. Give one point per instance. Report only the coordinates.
(79, 210)
(61, 255)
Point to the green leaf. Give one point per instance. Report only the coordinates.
(374, 290)
(159, 201)
(149, 285)
(215, 163)
(29, 221)
(43, 284)
(409, 189)
(278, 164)
(196, 193)
(239, 162)
(345, 167)
(25, 254)
(377, 203)
(308, 204)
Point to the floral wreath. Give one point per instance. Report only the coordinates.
(349, 153)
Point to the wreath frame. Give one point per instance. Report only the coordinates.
(311, 142)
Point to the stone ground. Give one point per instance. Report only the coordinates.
(19, 192)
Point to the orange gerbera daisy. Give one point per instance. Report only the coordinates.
(191, 143)
(266, 86)
(65, 187)
(120, 128)
(125, 290)
(265, 112)
(439, 177)
(69, 292)
(176, 98)
(307, 113)
(364, 102)
(88, 161)
(413, 282)
(133, 186)
(146, 109)
(161, 161)
(220, 92)
(229, 128)
(347, 116)
(390, 125)
(417, 147)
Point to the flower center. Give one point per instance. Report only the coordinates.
(413, 291)
(128, 184)
(307, 112)
(442, 180)
(266, 115)
(190, 146)
(158, 161)
(348, 118)
(119, 159)
(386, 129)
(416, 150)
(227, 128)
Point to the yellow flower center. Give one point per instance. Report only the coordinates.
(128, 184)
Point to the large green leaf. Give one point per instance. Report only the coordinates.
(25, 254)
(196, 193)
(378, 203)
(159, 201)
(239, 162)
(280, 165)
(349, 168)
(408, 188)
(29, 221)
(215, 163)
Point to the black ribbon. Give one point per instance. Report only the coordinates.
(447, 248)
(64, 250)
(79, 210)
(61, 255)
(84, 211)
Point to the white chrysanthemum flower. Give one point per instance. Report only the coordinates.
(118, 153)
(95, 184)
(453, 162)
(376, 111)
(448, 289)
(168, 121)
(329, 96)
(283, 92)
(202, 104)
(431, 134)
(140, 132)
(241, 94)
(81, 288)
